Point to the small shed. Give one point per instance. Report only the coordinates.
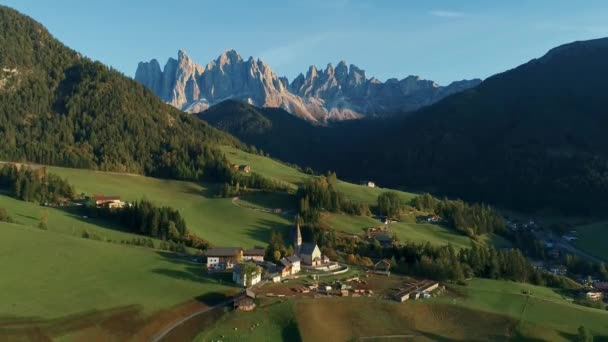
(245, 302)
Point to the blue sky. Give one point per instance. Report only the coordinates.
(438, 40)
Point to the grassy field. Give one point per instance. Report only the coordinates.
(592, 239)
(61, 282)
(278, 171)
(543, 307)
(215, 219)
(417, 232)
(343, 319)
(485, 310)
(272, 321)
(61, 221)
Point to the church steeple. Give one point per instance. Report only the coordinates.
(297, 238)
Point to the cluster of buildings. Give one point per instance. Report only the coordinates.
(237, 259)
(598, 292)
(422, 289)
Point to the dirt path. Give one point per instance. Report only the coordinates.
(167, 329)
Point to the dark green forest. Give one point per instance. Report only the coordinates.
(35, 185)
(530, 138)
(60, 108)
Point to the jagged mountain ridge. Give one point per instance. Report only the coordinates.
(339, 93)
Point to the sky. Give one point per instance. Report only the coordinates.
(439, 40)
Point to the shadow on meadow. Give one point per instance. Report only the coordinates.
(118, 323)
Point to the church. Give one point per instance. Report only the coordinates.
(309, 253)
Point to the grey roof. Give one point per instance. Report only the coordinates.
(254, 251)
(222, 251)
(284, 262)
(293, 259)
(307, 248)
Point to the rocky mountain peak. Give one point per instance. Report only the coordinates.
(229, 56)
(334, 93)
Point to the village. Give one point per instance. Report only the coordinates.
(308, 273)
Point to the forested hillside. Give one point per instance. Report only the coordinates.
(60, 108)
(529, 138)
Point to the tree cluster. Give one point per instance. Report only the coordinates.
(64, 109)
(240, 183)
(276, 248)
(469, 219)
(319, 194)
(34, 185)
(145, 218)
(390, 204)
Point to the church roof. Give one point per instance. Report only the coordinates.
(308, 248)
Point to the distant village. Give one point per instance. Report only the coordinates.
(557, 245)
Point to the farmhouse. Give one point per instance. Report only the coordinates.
(223, 258)
(255, 254)
(369, 184)
(112, 202)
(289, 265)
(246, 274)
(309, 253)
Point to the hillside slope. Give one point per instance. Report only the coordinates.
(528, 138)
(57, 107)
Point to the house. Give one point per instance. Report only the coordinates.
(255, 254)
(223, 257)
(245, 302)
(111, 202)
(369, 184)
(289, 265)
(245, 168)
(295, 264)
(246, 274)
(284, 269)
(595, 296)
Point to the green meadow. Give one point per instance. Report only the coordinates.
(217, 220)
(533, 306)
(47, 275)
(279, 171)
(416, 232)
